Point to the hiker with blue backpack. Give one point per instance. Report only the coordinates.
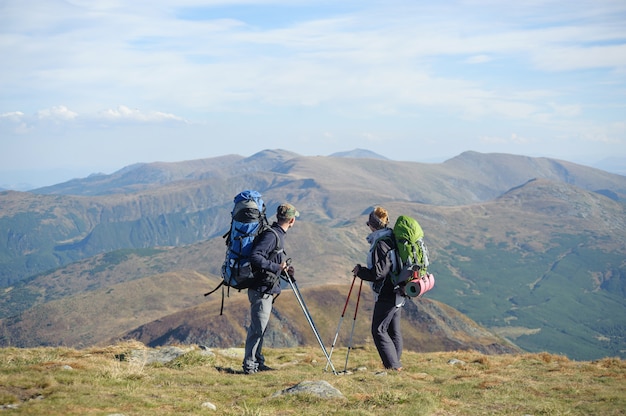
(268, 261)
(386, 330)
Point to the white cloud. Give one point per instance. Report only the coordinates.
(14, 116)
(14, 121)
(57, 114)
(123, 113)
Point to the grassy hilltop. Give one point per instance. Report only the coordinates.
(108, 380)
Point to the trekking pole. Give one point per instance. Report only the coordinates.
(307, 315)
(356, 309)
(332, 347)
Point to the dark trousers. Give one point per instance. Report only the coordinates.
(386, 333)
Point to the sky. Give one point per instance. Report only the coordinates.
(94, 86)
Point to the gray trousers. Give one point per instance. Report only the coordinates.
(386, 333)
(260, 311)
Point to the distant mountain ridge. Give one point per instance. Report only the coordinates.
(143, 176)
(519, 244)
(359, 153)
(498, 172)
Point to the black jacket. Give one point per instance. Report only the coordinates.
(266, 257)
(381, 268)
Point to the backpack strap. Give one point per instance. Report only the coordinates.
(215, 290)
(415, 258)
(425, 261)
(277, 250)
(272, 278)
(392, 253)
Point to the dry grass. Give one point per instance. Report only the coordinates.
(102, 381)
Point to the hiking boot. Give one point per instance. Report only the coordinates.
(250, 370)
(265, 368)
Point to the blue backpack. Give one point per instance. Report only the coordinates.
(248, 220)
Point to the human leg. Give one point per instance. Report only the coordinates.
(382, 318)
(395, 334)
(260, 310)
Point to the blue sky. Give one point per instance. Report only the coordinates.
(93, 86)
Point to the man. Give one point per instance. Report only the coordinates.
(268, 261)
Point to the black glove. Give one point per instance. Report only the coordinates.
(291, 272)
(355, 271)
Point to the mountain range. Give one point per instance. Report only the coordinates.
(530, 248)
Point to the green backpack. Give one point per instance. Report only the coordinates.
(411, 253)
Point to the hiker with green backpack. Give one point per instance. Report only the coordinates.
(386, 330)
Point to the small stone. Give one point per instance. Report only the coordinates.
(209, 405)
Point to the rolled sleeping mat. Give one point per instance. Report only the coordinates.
(414, 288)
(417, 287)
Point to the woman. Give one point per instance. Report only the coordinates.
(386, 317)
